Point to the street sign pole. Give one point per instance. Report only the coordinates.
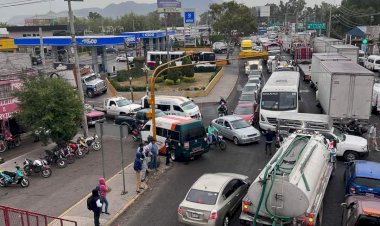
(102, 145)
(122, 159)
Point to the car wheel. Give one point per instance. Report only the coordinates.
(226, 221)
(350, 156)
(172, 156)
(236, 141)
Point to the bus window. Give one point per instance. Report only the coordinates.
(162, 132)
(163, 107)
(192, 134)
(177, 108)
(174, 135)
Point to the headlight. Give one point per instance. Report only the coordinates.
(262, 118)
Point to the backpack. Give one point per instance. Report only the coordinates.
(89, 199)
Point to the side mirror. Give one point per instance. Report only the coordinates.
(344, 205)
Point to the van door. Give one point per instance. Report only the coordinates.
(361, 99)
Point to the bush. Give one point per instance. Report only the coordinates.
(169, 82)
(187, 71)
(178, 81)
(159, 79)
(202, 69)
(123, 75)
(174, 74)
(211, 77)
(188, 80)
(139, 62)
(121, 88)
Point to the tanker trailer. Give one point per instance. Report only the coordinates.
(291, 187)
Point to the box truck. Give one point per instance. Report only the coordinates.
(316, 65)
(323, 44)
(349, 51)
(345, 91)
(291, 187)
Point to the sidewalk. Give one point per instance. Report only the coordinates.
(118, 202)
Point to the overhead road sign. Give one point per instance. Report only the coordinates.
(169, 6)
(316, 26)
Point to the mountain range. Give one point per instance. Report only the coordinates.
(117, 10)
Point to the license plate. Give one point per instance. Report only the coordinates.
(194, 215)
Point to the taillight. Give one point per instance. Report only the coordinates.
(310, 220)
(246, 205)
(353, 190)
(180, 210)
(213, 215)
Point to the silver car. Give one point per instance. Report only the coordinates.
(213, 199)
(236, 129)
(250, 88)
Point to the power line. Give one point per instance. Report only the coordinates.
(348, 21)
(343, 22)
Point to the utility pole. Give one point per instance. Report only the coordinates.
(77, 70)
(328, 34)
(42, 50)
(167, 37)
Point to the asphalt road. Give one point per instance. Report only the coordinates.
(158, 206)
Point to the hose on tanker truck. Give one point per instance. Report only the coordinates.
(276, 163)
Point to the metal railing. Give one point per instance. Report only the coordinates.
(17, 217)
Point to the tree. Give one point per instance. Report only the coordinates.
(187, 71)
(50, 103)
(94, 16)
(4, 24)
(232, 19)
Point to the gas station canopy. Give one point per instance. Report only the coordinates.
(66, 41)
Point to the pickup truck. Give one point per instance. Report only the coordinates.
(94, 116)
(118, 106)
(93, 85)
(361, 210)
(139, 118)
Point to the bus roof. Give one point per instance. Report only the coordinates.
(171, 121)
(164, 52)
(283, 81)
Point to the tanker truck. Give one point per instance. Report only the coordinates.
(291, 187)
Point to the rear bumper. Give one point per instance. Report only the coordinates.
(185, 221)
(93, 122)
(250, 139)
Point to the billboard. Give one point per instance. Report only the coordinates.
(169, 6)
(189, 17)
(263, 11)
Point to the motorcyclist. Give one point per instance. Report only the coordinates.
(222, 101)
(211, 133)
(222, 109)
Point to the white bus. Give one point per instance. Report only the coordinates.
(279, 94)
(153, 56)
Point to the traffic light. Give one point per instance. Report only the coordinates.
(365, 41)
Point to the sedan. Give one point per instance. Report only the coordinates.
(254, 80)
(245, 111)
(250, 88)
(236, 129)
(213, 199)
(123, 58)
(247, 98)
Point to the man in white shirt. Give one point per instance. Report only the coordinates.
(372, 137)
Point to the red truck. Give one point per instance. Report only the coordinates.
(303, 54)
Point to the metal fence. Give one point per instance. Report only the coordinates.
(16, 217)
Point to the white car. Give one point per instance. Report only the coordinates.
(123, 58)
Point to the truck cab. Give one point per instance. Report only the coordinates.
(119, 106)
(93, 85)
(361, 210)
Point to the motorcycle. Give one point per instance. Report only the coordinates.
(55, 157)
(219, 142)
(77, 149)
(13, 178)
(353, 128)
(136, 135)
(37, 166)
(92, 142)
(9, 141)
(222, 110)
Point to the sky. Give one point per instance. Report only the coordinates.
(60, 5)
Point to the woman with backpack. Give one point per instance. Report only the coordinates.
(103, 190)
(94, 204)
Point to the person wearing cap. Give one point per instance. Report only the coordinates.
(168, 147)
(137, 166)
(154, 151)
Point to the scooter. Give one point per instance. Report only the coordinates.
(13, 178)
(38, 167)
(218, 141)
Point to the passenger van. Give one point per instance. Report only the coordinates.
(174, 105)
(279, 94)
(187, 134)
(372, 63)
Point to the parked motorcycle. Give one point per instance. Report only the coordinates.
(77, 150)
(13, 178)
(219, 142)
(68, 154)
(55, 157)
(92, 142)
(353, 128)
(9, 141)
(136, 133)
(37, 166)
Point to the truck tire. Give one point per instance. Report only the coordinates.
(104, 91)
(350, 156)
(90, 93)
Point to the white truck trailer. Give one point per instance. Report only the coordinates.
(323, 44)
(349, 51)
(291, 187)
(316, 65)
(345, 91)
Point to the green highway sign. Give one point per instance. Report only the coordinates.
(315, 26)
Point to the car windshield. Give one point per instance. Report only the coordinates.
(253, 67)
(123, 102)
(239, 124)
(279, 101)
(91, 78)
(188, 105)
(339, 134)
(367, 182)
(247, 97)
(202, 197)
(367, 221)
(285, 69)
(243, 110)
(249, 89)
(254, 80)
(254, 72)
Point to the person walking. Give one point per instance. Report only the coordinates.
(269, 136)
(103, 190)
(144, 169)
(169, 147)
(372, 137)
(137, 166)
(154, 152)
(96, 206)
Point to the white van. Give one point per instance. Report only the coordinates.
(174, 105)
(253, 65)
(372, 63)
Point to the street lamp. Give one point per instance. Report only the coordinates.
(130, 88)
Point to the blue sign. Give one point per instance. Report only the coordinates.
(148, 34)
(189, 17)
(66, 41)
